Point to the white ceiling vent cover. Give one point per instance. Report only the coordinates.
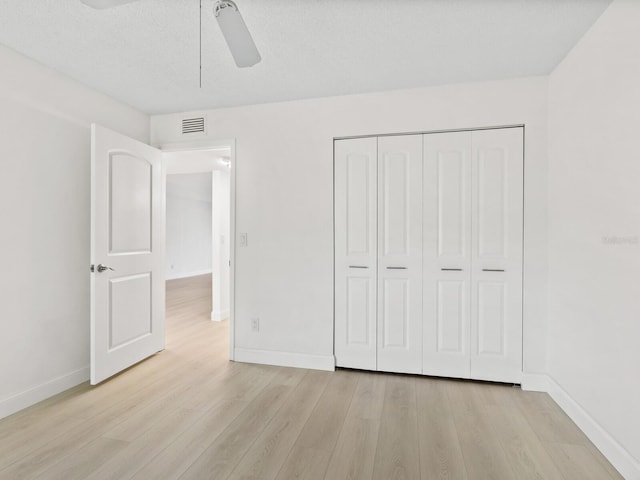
(193, 125)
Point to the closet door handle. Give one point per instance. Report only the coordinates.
(396, 268)
(492, 270)
(451, 269)
(357, 266)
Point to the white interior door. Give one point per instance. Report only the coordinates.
(355, 252)
(400, 254)
(127, 252)
(496, 290)
(447, 254)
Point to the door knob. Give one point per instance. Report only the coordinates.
(102, 268)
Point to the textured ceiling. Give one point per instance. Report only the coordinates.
(147, 53)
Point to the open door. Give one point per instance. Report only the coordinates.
(127, 253)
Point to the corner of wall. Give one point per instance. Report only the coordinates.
(619, 457)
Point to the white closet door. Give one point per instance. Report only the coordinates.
(400, 254)
(496, 290)
(447, 254)
(355, 252)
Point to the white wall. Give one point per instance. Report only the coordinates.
(284, 201)
(44, 213)
(594, 229)
(188, 225)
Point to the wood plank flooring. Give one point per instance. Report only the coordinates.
(188, 413)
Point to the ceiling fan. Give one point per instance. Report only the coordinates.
(235, 31)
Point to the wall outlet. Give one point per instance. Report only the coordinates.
(255, 324)
(243, 239)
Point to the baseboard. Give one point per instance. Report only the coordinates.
(535, 382)
(22, 400)
(219, 315)
(619, 457)
(176, 276)
(285, 359)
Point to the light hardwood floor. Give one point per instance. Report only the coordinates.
(189, 413)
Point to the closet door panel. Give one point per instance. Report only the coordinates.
(396, 311)
(451, 317)
(400, 254)
(496, 293)
(447, 254)
(355, 252)
(492, 314)
(492, 203)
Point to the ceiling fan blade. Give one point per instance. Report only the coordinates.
(236, 34)
(102, 4)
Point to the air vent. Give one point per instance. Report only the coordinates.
(192, 125)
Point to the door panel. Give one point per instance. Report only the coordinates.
(451, 317)
(400, 258)
(127, 229)
(355, 252)
(396, 171)
(360, 178)
(447, 254)
(491, 318)
(452, 195)
(395, 312)
(492, 202)
(130, 313)
(130, 204)
(359, 312)
(496, 293)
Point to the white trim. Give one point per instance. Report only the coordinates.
(232, 253)
(220, 315)
(286, 359)
(188, 274)
(619, 457)
(431, 132)
(22, 400)
(535, 382)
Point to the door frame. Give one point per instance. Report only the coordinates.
(203, 145)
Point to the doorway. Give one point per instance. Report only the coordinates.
(198, 205)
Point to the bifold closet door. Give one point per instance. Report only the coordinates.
(447, 254)
(496, 276)
(428, 254)
(400, 254)
(356, 233)
(473, 212)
